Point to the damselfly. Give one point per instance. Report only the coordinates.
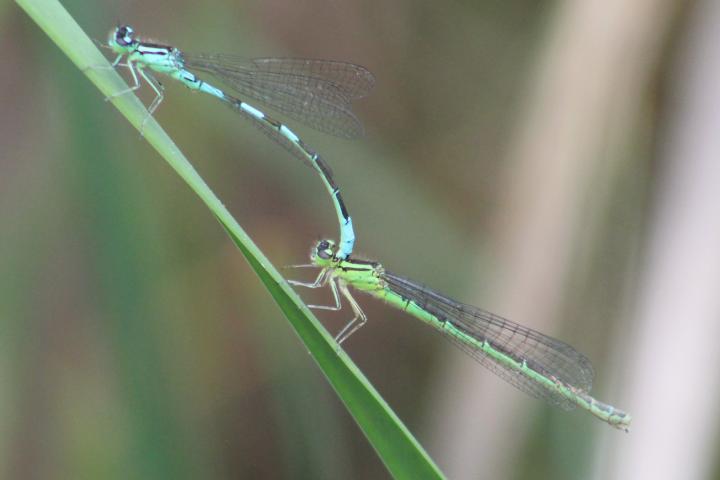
(315, 92)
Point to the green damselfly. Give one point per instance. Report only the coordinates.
(534, 363)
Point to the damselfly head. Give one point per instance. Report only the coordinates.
(324, 252)
(121, 38)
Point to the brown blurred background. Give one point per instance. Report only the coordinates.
(554, 162)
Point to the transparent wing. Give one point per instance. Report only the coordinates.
(545, 355)
(315, 92)
(353, 81)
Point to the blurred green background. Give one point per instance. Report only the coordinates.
(553, 162)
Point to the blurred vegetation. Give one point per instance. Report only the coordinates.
(138, 344)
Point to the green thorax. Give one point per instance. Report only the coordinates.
(360, 274)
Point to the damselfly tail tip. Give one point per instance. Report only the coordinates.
(621, 421)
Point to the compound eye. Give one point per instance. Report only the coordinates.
(325, 250)
(124, 35)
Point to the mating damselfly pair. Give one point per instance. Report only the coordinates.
(319, 93)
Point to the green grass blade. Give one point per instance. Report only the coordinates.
(397, 448)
